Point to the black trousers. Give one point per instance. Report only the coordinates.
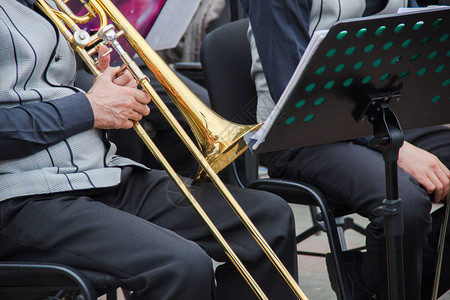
(353, 175)
(147, 234)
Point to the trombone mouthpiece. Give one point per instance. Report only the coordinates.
(107, 33)
(109, 36)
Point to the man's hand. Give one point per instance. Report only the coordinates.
(125, 79)
(429, 171)
(115, 100)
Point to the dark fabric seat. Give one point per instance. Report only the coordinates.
(28, 280)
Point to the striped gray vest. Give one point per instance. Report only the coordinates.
(36, 64)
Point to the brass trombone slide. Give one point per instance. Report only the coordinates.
(206, 125)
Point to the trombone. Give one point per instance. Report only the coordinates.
(220, 141)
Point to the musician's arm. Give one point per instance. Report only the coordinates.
(29, 128)
(281, 37)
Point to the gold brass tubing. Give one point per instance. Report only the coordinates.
(94, 8)
(51, 13)
(67, 19)
(174, 86)
(145, 84)
(78, 19)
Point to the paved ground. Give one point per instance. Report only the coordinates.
(312, 270)
(313, 274)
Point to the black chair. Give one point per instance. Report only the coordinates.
(29, 280)
(226, 62)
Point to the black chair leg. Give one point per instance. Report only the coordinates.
(336, 251)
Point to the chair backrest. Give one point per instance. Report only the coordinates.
(226, 60)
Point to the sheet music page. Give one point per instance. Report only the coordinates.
(171, 23)
(253, 140)
(402, 10)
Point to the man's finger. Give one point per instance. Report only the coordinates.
(124, 79)
(141, 109)
(141, 97)
(103, 60)
(437, 187)
(445, 182)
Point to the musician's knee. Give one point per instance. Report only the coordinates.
(192, 262)
(191, 272)
(278, 220)
(416, 214)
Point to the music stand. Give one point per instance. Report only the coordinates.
(363, 77)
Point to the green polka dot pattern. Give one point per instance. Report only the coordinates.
(414, 57)
(425, 40)
(437, 23)
(433, 54)
(329, 85)
(406, 43)
(418, 25)
(377, 62)
(436, 99)
(309, 118)
(388, 45)
(440, 69)
(331, 53)
(371, 56)
(385, 76)
(348, 82)
(339, 68)
(300, 104)
(422, 71)
(289, 120)
(366, 79)
(358, 65)
(399, 28)
(380, 30)
(403, 74)
(320, 70)
(319, 101)
(310, 87)
(341, 35)
(369, 48)
(361, 32)
(350, 50)
(396, 59)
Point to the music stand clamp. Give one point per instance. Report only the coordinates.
(388, 138)
(365, 69)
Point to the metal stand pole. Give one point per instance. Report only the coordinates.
(388, 139)
(440, 250)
